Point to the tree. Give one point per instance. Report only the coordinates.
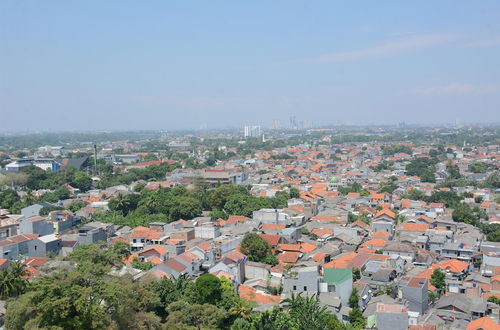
(388, 187)
(12, 281)
(271, 259)
(106, 255)
(255, 247)
(357, 319)
(81, 181)
(219, 196)
(464, 213)
(274, 320)
(209, 289)
(422, 167)
(44, 211)
(306, 312)
(14, 180)
(294, 192)
(493, 180)
(354, 299)
(8, 198)
(414, 194)
(438, 279)
(433, 296)
(453, 171)
(356, 274)
(478, 167)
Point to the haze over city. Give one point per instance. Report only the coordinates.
(162, 65)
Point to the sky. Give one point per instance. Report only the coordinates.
(120, 65)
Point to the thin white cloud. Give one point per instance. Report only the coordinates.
(485, 43)
(457, 88)
(387, 49)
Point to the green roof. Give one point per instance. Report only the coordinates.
(371, 321)
(334, 276)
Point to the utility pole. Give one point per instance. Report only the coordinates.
(95, 159)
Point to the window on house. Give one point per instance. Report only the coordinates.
(305, 288)
(294, 288)
(35, 247)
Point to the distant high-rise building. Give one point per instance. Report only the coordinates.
(276, 124)
(252, 131)
(293, 122)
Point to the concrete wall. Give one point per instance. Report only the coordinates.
(252, 272)
(10, 251)
(418, 298)
(385, 226)
(303, 282)
(392, 321)
(92, 236)
(206, 232)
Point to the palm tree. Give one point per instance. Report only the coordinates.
(122, 203)
(6, 285)
(29, 198)
(152, 202)
(182, 282)
(12, 281)
(307, 312)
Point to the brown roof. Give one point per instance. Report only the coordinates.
(18, 239)
(36, 218)
(148, 233)
(289, 257)
(175, 265)
(272, 240)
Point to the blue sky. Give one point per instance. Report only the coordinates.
(93, 65)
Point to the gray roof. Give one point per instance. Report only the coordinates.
(382, 275)
(463, 303)
(372, 304)
(400, 247)
(329, 300)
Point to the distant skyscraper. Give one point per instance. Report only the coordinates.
(276, 125)
(293, 122)
(252, 131)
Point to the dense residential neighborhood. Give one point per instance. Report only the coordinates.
(380, 229)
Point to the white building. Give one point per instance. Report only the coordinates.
(252, 131)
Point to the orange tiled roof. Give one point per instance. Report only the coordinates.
(416, 227)
(327, 218)
(35, 262)
(158, 249)
(251, 294)
(307, 247)
(375, 242)
(484, 323)
(272, 240)
(322, 231)
(148, 233)
(289, 247)
(453, 265)
(341, 262)
(270, 226)
(289, 257)
(318, 257)
(367, 250)
(387, 212)
(382, 234)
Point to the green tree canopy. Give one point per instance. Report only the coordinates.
(255, 247)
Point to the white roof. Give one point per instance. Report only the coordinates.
(48, 238)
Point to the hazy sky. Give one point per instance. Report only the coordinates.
(92, 65)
